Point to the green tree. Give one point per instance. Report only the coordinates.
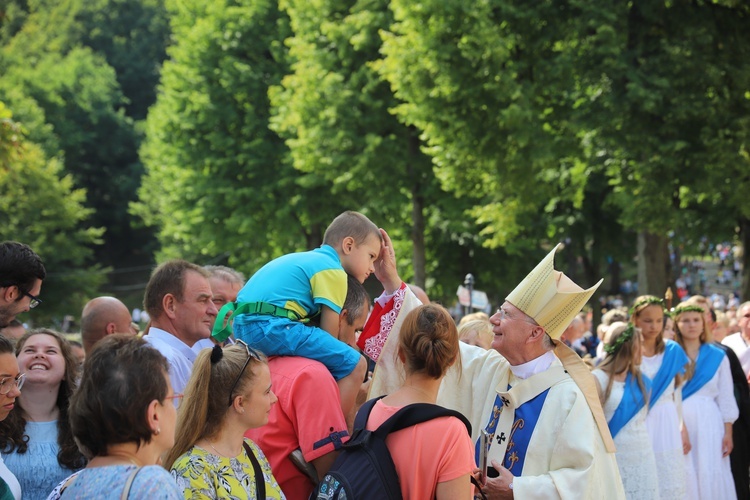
(40, 206)
(219, 185)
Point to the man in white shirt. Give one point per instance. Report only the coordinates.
(178, 300)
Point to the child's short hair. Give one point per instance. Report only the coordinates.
(352, 224)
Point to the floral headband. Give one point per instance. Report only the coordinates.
(686, 308)
(625, 336)
(647, 301)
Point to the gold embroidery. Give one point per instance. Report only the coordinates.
(511, 454)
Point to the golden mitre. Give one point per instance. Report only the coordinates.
(550, 297)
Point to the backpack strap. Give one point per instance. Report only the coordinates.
(360, 421)
(416, 414)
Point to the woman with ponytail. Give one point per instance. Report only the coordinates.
(624, 394)
(664, 363)
(228, 393)
(709, 405)
(433, 459)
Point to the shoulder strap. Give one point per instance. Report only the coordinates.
(260, 481)
(129, 483)
(416, 414)
(360, 421)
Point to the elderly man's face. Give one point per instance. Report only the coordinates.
(512, 329)
(223, 291)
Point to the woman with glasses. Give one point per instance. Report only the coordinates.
(35, 439)
(123, 417)
(228, 393)
(10, 388)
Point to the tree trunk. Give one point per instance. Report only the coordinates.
(417, 214)
(653, 264)
(745, 239)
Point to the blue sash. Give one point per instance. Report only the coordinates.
(672, 364)
(524, 422)
(706, 365)
(631, 403)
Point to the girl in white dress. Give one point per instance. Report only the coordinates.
(709, 407)
(663, 362)
(624, 395)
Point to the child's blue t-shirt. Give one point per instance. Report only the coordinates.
(300, 282)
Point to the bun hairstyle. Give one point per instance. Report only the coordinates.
(429, 341)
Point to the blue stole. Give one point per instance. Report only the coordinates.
(673, 363)
(631, 403)
(708, 361)
(524, 422)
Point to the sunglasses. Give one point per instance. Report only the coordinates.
(251, 354)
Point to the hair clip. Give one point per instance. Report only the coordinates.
(216, 354)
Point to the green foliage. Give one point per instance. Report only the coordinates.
(218, 180)
(40, 206)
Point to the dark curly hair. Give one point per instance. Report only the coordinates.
(13, 435)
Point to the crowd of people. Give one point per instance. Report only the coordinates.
(250, 389)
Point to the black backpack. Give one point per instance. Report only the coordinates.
(364, 469)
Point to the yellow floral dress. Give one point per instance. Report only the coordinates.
(200, 474)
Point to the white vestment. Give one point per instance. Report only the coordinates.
(566, 455)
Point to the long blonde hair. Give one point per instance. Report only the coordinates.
(704, 336)
(623, 346)
(207, 396)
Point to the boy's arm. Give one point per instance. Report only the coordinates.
(329, 321)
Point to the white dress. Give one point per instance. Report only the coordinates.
(635, 459)
(705, 413)
(663, 424)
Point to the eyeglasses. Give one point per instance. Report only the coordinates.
(251, 353)
(176, 397)
(8, 383)
(504, 316)
(34, 300)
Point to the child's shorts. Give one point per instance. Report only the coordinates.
(283, 337)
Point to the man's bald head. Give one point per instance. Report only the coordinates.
(103, 316)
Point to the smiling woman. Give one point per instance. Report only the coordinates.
(36, 439)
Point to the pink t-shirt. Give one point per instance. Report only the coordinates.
(426, 454)
(308, 413)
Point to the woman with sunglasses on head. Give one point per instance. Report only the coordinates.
(228, 393)
(35, 439)
(10, 388)
(123, 416)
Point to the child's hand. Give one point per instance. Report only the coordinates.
(385, 265)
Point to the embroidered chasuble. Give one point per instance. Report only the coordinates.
(524, 421)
